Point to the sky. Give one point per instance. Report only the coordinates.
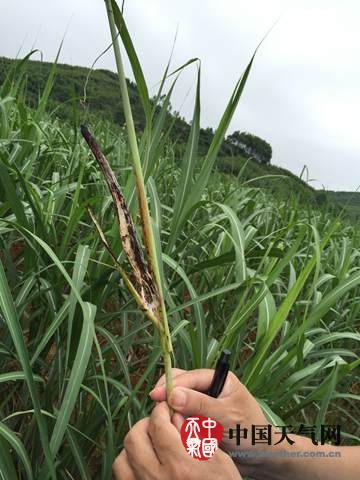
(302, 95)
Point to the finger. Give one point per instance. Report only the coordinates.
(121, 467)
(164, 435)
(190, 402)
(161, 382)
(197, 379)
(200, 380)
(177, 421)
(139, 449)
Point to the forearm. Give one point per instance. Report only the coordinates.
(302, 461)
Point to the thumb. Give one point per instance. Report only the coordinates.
(190, 402)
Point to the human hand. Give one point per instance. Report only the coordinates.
(235, 405)
(153, 451)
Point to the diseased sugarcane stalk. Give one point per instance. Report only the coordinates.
(148, 236)
(146, 291)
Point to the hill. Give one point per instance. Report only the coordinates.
(348, 201)
(102, 101)
(276, 179)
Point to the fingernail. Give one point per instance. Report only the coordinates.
(177, 397)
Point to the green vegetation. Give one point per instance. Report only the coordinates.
(277, 180)
(102, 96)
(241, 267)
(102, 102)
(251, 145)
(349, 202)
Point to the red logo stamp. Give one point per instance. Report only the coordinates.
(201, 436)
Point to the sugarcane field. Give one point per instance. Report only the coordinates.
(179, 240)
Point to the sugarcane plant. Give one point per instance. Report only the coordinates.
(145, 285)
